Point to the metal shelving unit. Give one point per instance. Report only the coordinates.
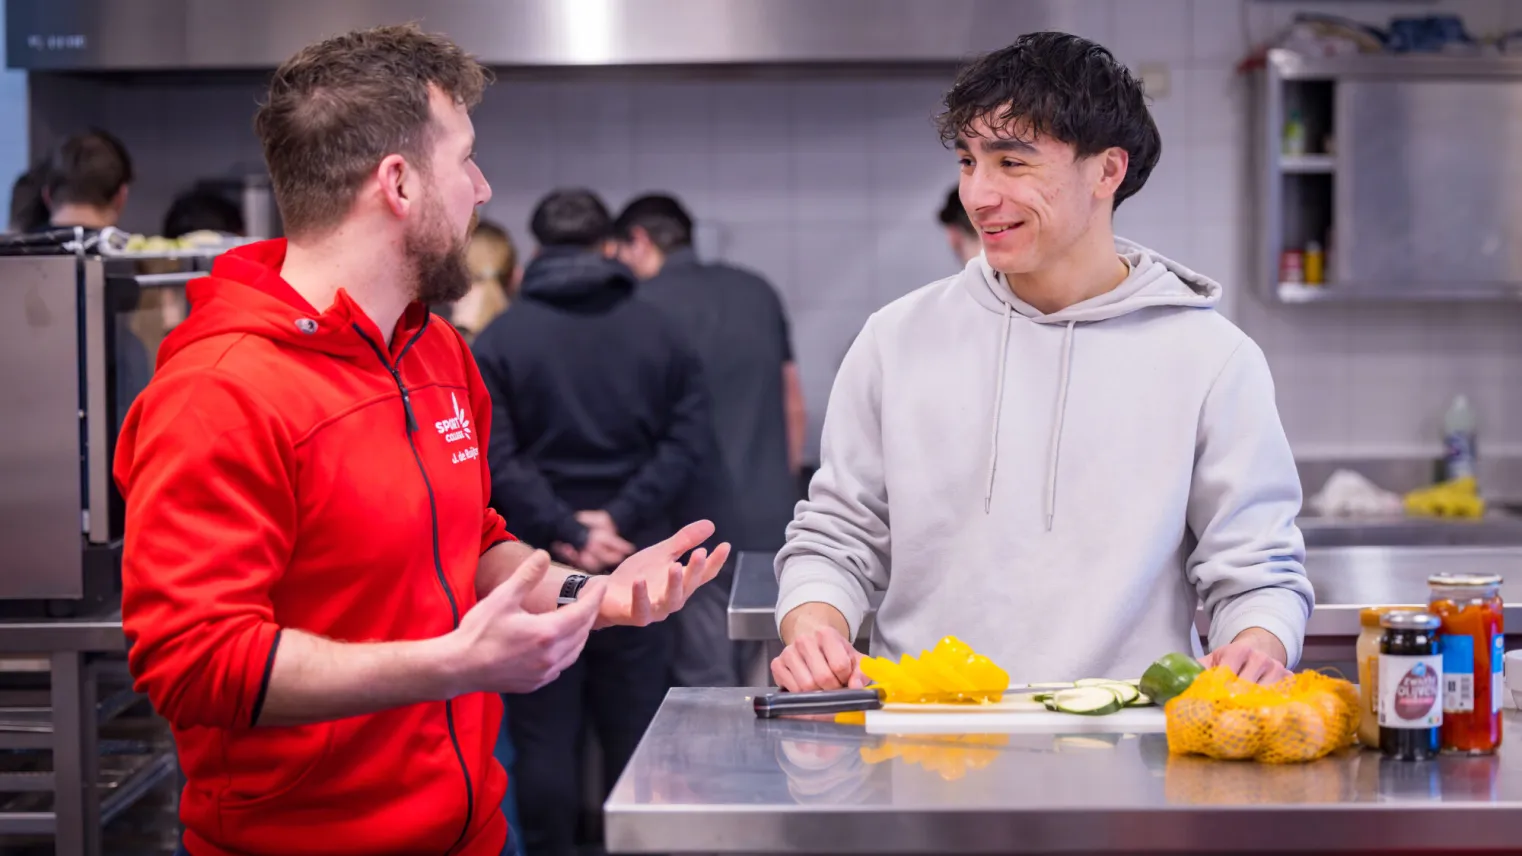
(1403, 179)
(58, 777)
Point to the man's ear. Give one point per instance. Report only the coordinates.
(396, 183)
(1113, 163)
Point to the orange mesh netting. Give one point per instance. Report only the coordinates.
(1301, 718)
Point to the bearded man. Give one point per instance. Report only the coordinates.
(318, 595)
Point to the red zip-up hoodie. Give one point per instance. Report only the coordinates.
(285, 468)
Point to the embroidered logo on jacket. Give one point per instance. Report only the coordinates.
(456, 427)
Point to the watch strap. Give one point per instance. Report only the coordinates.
(570, 588)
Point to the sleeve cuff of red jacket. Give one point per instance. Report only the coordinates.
(494, 531)
(259, 667)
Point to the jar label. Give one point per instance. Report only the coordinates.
(1409, 691)
(1458, 674)
(1497, 679)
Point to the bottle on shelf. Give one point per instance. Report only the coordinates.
(1314, 263)
(1459, 441)
(1294, 134)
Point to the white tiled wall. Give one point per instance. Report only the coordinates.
(829, 186)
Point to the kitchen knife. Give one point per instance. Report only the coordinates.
(772, 705)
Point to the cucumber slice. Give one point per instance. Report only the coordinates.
(1125, 692)
(1141, 701)
(1041, 696)
(1086, 701)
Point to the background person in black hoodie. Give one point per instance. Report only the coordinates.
(600, 430)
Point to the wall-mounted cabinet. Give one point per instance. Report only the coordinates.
(1390, 178)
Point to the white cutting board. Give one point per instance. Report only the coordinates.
(1018, 717)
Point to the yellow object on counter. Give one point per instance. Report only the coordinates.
(1301, 718)
(1457, 498)
(949, 672)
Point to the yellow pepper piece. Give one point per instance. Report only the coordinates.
(894, 679)
(950, 671)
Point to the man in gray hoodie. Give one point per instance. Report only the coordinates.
(1060, 452)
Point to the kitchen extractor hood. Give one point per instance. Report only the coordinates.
(142, 35)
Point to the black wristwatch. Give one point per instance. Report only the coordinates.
(570, 588)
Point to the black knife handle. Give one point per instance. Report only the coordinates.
(772, 705)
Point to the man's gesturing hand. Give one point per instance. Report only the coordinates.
(503, 648)
(652, 584)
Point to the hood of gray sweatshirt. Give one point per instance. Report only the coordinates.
(1061, 490)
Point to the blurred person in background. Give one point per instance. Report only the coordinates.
(87, 179)
(739, 329)
(961, 236)
(495, 273)
(203, 210)
(599, 427)
(29, 209)
(494, 277)
(85, 184)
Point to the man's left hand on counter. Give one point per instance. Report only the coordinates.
(1255, 654)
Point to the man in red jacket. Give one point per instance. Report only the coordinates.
(318, 596)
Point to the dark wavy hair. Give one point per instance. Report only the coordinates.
(1061, 86)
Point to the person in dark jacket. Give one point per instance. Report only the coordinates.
(739, 330)
(600, 429)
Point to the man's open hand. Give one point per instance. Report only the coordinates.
(652, 584)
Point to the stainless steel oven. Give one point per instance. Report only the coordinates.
(82, 315)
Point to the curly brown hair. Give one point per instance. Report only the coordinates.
(338, 107)
(1062, 86)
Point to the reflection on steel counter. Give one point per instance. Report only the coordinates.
(1346, 579)
(710, 777)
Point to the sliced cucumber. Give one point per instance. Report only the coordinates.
(1087, 701)
(1040, 696)
(1141, 701)
(1125, 692)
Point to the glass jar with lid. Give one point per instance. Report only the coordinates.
(1473, 656)
(1369, 634)
(1410, 686)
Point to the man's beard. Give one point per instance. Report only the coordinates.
(438, 261)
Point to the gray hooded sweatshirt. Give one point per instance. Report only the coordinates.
(1061, 491)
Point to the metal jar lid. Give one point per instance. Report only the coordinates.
(1463, 580)
(1410, 621)
(1369, 616)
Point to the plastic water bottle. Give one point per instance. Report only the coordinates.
(1459, 440)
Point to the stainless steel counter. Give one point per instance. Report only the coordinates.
(711, 778)
(1346, 579)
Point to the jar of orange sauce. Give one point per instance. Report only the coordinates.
(1473, 656)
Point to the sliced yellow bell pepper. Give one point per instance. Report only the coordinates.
(950, 671)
